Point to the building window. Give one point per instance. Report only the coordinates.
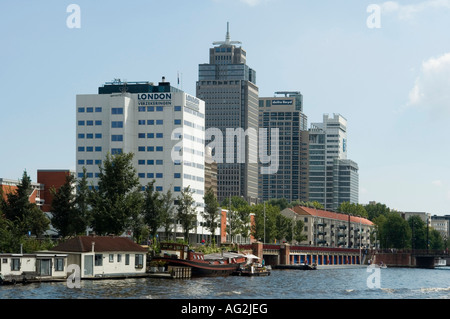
(159, 175)
(80, 123)
(115, 151)
(159, 188)
(150, 122)
(159, 108)
(98, 148)
(177, 122)
(98, 109)
(116, 138)
(177, 108)
(159, 122)
(59, 264)
(127, 259)
(117, 110)
(159, 148)
(139, 261)
(98, 123)
(117, 124)
(89, 123)
(119, 258)
(80, 148)
(98, 135)
(159, 135)
(111, 258)
(15, 264)
(150, 109)
(177, 175)
(90, 110)
(98, 259)
(81, 110)
(141, 108)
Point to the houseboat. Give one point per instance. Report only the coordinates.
(105, 256)
(35, 267)
(219, 264)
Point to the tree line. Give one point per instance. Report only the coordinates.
(119, 204)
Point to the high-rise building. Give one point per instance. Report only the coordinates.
(228, 87)
(332, 178)
(160, 124)
(285, 113)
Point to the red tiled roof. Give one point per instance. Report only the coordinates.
(301, 210)
(102, 243)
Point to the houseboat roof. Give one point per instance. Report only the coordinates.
(84, 244)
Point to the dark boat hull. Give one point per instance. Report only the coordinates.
(203, 269)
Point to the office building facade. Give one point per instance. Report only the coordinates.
(162, 126)
(285, 113)
(228, 87)
(333, 178)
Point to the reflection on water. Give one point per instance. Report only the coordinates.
(342, 283)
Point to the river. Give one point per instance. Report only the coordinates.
(323, 283)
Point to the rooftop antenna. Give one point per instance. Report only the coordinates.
(227, 38)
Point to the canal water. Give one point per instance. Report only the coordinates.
(324, 283)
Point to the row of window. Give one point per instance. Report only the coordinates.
(176, 108)
(114, 110)
(138, 259)
(16, 263)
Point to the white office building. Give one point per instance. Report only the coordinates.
(163, 126)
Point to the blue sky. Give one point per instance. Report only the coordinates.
(392, 83)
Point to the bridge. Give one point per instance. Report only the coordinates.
(285, 254)
(420, 258)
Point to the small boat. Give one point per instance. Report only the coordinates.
(220, 264)
(253, 270)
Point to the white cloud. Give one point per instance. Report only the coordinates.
(437, 183)
(408, 11)
(431, 89)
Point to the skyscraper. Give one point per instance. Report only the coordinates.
(285, 113)
(333, 178)
(228, 87)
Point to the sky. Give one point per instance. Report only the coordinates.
(384, 66)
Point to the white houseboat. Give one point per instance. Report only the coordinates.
(105, 256)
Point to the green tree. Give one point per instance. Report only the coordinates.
(282, 203)
(396, 232)
(168, 213)
(186, 211)
(25, 215)
(69, 210)
(352, 209)
(152, 209)
(375, 210)
(436, 240)
(418, 232)
(211, 213)
(283, 227)
(117, 199)
(265, 228)
(82, 205)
